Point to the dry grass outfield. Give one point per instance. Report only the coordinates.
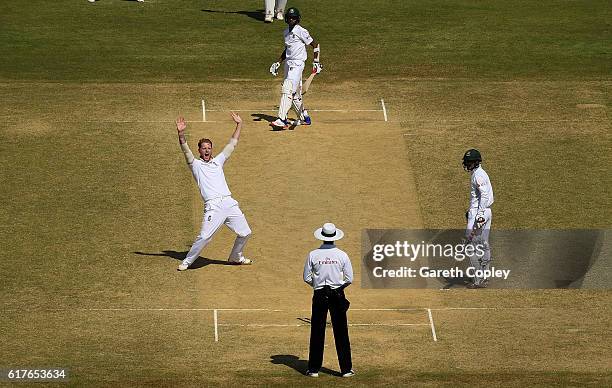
(102, 208)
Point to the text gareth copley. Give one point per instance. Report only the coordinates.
(426, 272)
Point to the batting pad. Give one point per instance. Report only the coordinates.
(286, 99)
(298, 107)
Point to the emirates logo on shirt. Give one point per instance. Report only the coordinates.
(327, 261)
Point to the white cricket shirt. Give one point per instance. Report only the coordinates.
(296, 41)
(328, 266)
(210, 177)
(481, 194)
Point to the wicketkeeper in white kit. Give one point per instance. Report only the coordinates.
(295, 54)
(220, 208)
(479, 214)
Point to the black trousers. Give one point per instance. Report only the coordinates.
(335, 302)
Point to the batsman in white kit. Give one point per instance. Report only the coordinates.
(479, 214)
(220, 208)
(295, 54)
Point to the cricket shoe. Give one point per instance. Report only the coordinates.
(280, 123)
(350, 373)
(310, 373)
(242, 261)
(182, 267)
(305, 118)
(280, 15)
(305, 121)
(269, 18)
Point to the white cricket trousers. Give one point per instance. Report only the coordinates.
(293, 72)
(219, 211)
(482, 262)
(291, 89)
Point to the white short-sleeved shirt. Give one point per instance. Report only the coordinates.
(481, 194)
(210, 177)
(296, 40)
(328, 266)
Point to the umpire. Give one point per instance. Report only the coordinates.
(328, 270)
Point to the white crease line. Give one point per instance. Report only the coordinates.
(215, 318)
(312, 110)
(433, 328)
(135, 121)
(238, 309)
(505, 120)
(140, 309)
(280, 310)
(304, 324)
(491, 308)
(322, 121)
(388, 324)
(382, 102)
(161, 309)
(187, 121)
(352, 309)
(262, 325)
(391, 309)
(346, 110)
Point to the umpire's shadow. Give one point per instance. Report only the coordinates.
(294, 362)
(199, 263)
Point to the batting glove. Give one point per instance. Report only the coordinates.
(317, 67)
(480, 220)
(274, 68)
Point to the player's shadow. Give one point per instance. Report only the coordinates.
(269, 119)
(307, 320)
(259, 14)
(263, 117)
(199, 263)
(294, 362)
(460, 282)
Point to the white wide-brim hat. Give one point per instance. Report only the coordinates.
(328, 232)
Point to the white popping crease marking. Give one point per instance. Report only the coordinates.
(433, 327)
(203, 111)
(263, 325)
(120, 309)
(311, 110)
(384, 109)
(215, 318)
(254, 325)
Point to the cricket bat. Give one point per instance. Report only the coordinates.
(306, 84)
